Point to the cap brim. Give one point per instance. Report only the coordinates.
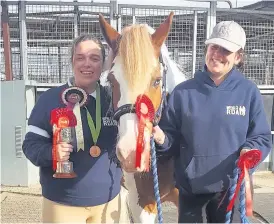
(224, 43)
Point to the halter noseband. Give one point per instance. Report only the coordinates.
(131, 108)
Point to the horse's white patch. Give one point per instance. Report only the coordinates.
(127, 139)
(139, 215)
(124, 212)
(146, 217)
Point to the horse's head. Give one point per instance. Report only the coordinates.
(137, 92)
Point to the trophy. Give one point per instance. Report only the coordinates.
(67, 128)
(64, 122)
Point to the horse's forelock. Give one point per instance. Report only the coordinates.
(138, 58)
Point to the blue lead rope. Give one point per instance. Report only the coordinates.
(155, 180)
(232, 191)
(236, 174)
(242, 209)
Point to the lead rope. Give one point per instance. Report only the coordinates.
(232, 191)
(246, 161)
(155, 180)
(153, 149)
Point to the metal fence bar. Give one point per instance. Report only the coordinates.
(8, 73)
(194, 49)
(76, 21)
(23, 41)
(113, 13)
(161, 7)
(60, 3)
(133, 16)
(211, 18)
(245, 11)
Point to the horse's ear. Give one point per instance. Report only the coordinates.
(109, 33)
(161, 33)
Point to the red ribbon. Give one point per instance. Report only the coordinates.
(145, 113)
(247, 161)
(60, 118)
(140, 142)
(54, 148)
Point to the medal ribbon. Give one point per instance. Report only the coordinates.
(95, 131)
(248, 160)
(56, 132)
(78, 128)
(77, 112)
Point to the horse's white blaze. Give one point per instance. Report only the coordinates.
(127, 121)
(139, 215)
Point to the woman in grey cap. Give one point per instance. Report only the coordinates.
(214, 118)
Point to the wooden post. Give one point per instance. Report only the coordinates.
(6, 39)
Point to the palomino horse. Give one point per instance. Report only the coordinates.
(135, 72)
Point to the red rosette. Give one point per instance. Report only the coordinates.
(250, 159)
(63, 117)
(247, 161)
(144, 107)
(145, 112)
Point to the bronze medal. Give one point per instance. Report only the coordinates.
(95, 151)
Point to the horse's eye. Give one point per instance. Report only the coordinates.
(157, 82)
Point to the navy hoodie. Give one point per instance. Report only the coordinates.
(98, 179)
(212, 124)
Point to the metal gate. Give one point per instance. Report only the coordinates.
(41, 34)
(187, 35)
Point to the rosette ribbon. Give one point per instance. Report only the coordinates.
(145, 113)
(247, 161)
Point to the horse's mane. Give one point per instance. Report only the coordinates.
(137, 57)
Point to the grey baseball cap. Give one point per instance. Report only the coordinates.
(229, 35)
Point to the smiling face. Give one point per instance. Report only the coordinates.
(220, 61)
(87, 63)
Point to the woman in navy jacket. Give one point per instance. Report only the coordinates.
(92, 196)
(215, 117)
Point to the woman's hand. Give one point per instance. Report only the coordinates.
(63, 151)
(243, 151)
(159, 135)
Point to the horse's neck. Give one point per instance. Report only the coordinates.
(174, 76)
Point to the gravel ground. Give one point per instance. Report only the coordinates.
(23, 204)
